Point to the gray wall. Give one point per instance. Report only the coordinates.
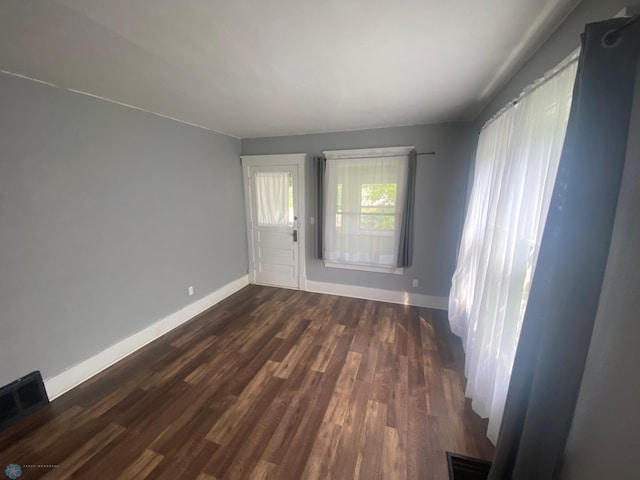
(564, 40)
(604, 439)
(561, 43)
(107, 215)
(440, 194)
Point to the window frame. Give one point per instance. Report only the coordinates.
(367, 153)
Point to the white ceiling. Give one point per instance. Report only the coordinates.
(254, 68)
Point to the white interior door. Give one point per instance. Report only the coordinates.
(273, 222)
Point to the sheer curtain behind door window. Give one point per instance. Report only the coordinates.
(516, 165)
(274, 202)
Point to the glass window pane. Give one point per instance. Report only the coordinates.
(274, 198)
(378, 202)
(363, 209)
(378, 194)
(377, 222)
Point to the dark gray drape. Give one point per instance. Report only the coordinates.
(405, 248)
(564, 296)
(320, 164)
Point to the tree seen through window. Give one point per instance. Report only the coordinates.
(378, 206)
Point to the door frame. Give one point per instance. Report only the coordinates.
(279, 160)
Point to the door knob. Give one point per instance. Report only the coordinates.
(295, 235)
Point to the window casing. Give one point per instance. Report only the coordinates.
(364, 202)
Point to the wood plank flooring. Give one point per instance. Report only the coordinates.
(268, 384)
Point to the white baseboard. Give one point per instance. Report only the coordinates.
(391, 296)
(75, 375)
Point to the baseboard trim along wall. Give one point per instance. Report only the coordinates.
(391, 296)
(73, 376)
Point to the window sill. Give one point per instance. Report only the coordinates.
(365, 268)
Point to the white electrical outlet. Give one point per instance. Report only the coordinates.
(415, 282)
(190, 291)
(312, 220)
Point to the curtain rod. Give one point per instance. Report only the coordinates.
(609, 40)
(385, 156)
(572, 58)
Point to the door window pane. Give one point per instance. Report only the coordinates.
(274, 198)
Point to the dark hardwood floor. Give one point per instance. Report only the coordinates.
(269, 383)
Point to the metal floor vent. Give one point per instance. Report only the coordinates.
(467, 468)
(21, 398)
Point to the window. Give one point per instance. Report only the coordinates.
(517, 158)
(275, 198)
(378, 206)
(365, 194)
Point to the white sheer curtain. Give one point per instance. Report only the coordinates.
(516, 165)
(272, 190)
(364, 202)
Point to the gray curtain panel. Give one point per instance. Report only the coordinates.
(405, 249)
(562, 305)
(320, 164)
